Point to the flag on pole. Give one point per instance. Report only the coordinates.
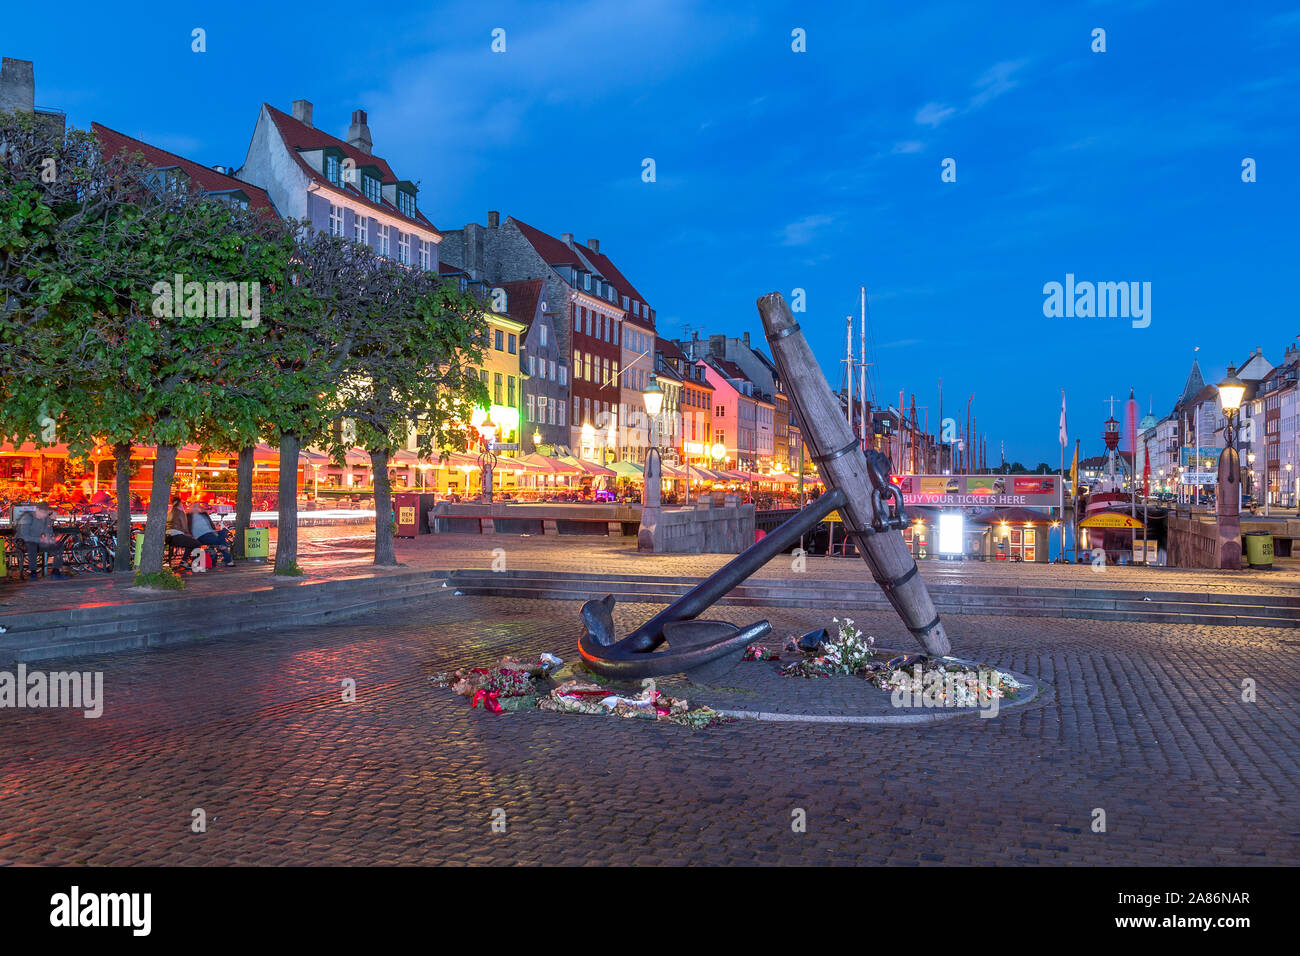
(1074, 472)
(1063, 433)
(1146, 470)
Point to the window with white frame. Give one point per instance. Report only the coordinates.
(383, 248)
(336, 220)
(360, 228)
(404, 248)
(425, 257)
(541, 334)
(532, 365)
(529, 414)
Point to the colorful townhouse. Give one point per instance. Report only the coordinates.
(338, 185)
(588, 299)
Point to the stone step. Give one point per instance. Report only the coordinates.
(177, 625)
(968, 601)
(840, 585)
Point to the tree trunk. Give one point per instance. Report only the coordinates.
(243, 499)
(122, 480)
(155, 529)
(385, 548)
(286, 535)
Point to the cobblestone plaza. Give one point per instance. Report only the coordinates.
(1145, 722)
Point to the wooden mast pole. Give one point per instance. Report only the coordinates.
(843, 465)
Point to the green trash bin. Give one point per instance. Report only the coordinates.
(1259, 550)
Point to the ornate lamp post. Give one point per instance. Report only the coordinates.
(653, 396)
(1227, 505)
(487, 459)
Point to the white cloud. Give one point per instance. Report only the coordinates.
(932, 114)
(996, 81)
(909, 146)
(802, 231)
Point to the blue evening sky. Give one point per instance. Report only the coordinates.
(783, 170)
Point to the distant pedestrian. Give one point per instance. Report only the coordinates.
(37, 534)
(203, 531)
(178, 531)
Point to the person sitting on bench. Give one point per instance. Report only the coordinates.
(203, 531)
(37, 534)
(178, 531)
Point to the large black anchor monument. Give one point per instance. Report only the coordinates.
(857, 482)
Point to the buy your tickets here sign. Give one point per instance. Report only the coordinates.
(998, 491)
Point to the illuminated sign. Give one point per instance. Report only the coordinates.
(951, 532)
(999, 491)
(1110, 519)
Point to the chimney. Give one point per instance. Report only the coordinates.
(359, 132)
(593, 245)
(746, 340)
(494, 219)
(567, 239)
(302, 111)
(17, 85)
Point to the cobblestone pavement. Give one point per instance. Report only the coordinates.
(1144, 722)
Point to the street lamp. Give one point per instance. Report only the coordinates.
(653, 396)
(1227, 505)
(487, 459)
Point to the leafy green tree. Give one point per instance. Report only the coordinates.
(409, 373)
(109, 313)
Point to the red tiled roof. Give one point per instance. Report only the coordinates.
(205, 177)
(607, 269)
(299, 136)
(728, 368)
(555, 252)
(552, 250)
(522, 298)
(670, 349)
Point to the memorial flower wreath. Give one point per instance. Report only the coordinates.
(849, 652)
(513, 685)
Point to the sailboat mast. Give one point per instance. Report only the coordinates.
(862, 359)
(848, 368)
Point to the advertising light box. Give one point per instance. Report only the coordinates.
(991, 491)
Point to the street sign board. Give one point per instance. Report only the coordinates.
(997, 491)
(1195, 456)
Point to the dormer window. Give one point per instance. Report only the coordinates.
(332, 169)
(406, 203)
(370, 186)
(586, 281)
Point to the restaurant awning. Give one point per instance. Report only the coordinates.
(1014, 516)
(590, 468)
(627, 469)
(546, 464)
